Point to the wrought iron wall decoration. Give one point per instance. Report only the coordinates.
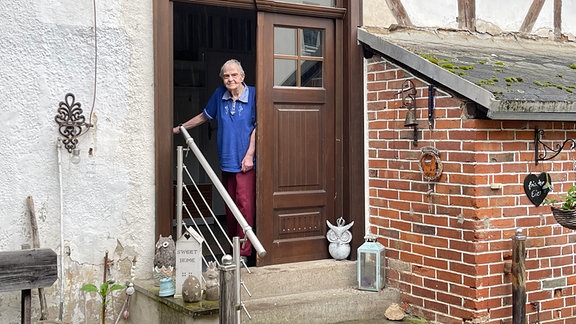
(431, 93)
(71, 121)
(430, 163)
(547, 149)
(409, 102)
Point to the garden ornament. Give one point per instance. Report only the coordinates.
(339, 237)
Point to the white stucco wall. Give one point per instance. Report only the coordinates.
(47, 50)
(506, 16)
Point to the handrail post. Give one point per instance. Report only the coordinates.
(179, 167)
(518, 278)
(225, 196)
(237, 279)
(228, 303)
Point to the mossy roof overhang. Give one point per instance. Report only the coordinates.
(512, 78)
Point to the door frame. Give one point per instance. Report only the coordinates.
(350, 117)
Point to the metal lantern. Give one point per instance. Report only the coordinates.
(371, 265)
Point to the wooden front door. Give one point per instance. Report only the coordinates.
(295, 136)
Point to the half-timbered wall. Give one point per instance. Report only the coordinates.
(449, 241)
(550, 18)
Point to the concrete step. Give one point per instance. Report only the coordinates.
(300, 277)
(321, 291)
(327, 306)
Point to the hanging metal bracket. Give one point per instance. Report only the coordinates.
(549, 153)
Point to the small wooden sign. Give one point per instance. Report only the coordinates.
(188, 258)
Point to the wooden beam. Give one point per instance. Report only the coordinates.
(558, 19)
(163, 115)
(467, 14)
(352, 182)
(399, 12)
(27, 269)
(531, 16)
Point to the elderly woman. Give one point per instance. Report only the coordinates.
(233, 105)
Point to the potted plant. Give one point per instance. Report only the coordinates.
(564, 211)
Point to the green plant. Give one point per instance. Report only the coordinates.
(568, 201)
(106, 288)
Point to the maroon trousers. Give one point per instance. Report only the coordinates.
(241, 187)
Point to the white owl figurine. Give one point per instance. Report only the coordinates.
(339, 237)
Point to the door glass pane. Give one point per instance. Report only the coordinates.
(285, 72)
(298, 57)
(311, 74)
(285, 41)
(311, 42)
(325, 3)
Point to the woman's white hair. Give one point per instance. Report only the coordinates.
(231, 61)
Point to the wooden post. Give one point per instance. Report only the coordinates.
(36, 245)
(26, 307)
(26, 300)
(518, 278)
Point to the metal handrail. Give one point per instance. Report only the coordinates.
(250, 235)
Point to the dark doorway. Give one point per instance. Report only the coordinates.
(204, 38)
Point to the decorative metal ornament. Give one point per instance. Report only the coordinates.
(408, 93)
(549, 152)
(339, 237)
(430, 163)
(71, 120)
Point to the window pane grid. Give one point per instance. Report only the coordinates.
(306, 68)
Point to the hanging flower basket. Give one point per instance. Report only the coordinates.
(564, 217)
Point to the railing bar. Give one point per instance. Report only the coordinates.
(185, 187)
(199, 232)
(249, 233)
(179, 164)
(209, 208)
(211, 232)
(204, 219)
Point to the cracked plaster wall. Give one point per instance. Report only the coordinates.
(46, 51)
(491, 17)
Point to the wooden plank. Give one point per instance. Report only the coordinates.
(467, 14)
(399, 12)
(558, 19)
(27, 269)
(531, 16)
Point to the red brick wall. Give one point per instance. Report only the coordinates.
(449, 241)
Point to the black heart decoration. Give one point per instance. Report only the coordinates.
(537, 187)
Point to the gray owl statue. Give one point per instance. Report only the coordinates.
(165, 255)
(339, 237)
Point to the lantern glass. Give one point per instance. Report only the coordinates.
(371, 267)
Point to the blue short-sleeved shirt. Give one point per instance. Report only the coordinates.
(236, 121)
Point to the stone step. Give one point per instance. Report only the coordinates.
(300, 277)
(326, 306)
(322, 291)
